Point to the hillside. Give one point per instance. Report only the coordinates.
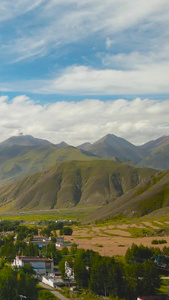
(151, 195)
(19, 161)
(157, 154)
(68, 184)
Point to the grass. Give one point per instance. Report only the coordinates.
(142, 232)
(58, 214)
(98, 245)
(84, 237)
(83, 294)
(163, 290)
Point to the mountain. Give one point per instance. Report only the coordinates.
(24, 155)
(113, 146)
(84, 146)
(157, 154)
(154, 154)
(155, 143)
(72, 183)
(150, 197)
(24, 140)
(18, 161)
(62, 144)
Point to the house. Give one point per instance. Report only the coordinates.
(40, 265)
(41, 241)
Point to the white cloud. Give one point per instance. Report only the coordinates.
(149, 79)
(58, 23)
(76, 122)
(12, 9)
(136, 60)
(138, 31)
(143, 79)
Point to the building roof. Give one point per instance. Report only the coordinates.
(34, 258)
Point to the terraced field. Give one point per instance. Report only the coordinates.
(114, 239)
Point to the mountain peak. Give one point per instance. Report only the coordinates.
(24, 140)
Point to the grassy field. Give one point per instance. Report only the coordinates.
(56, 214)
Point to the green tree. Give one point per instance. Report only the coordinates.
(81, 271)
(64, 251)
(8, 250)
(141, 279)
(151, 278)
(138, 253)
(73, 249)
(8, 284)
(46, 231)
(99, 282)
(52, 252)
(66, 231)
(26, 282)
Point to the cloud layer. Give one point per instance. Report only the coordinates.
(77, 122)
(85, 47)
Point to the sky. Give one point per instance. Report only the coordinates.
(76, 70)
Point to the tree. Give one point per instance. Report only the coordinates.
(8, 250)
(52, 252)
(26, 282)
(46, 232)
(99, 277)
(151, 278)
(64, 251)
(138, 253)
(141, 279)
(73, 249)
(17, 282)
(8, 284)
(81, 271)
(66, 231)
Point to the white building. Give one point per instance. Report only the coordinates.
(53, 280)
(40, 265)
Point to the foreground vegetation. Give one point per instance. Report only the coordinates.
(116, 277)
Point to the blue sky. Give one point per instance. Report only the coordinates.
(80, 52)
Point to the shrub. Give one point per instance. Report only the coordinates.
(155, 242)
(66, 231)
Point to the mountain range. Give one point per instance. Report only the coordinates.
(112, 172)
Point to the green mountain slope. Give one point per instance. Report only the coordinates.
(149, 196)
(28, 160)
(72, 183)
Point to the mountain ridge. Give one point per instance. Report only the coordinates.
(72, 183)
(148, 197)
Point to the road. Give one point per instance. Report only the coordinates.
(54, 292)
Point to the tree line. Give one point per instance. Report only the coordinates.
(109, 276)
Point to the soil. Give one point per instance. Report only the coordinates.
(111, 240)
